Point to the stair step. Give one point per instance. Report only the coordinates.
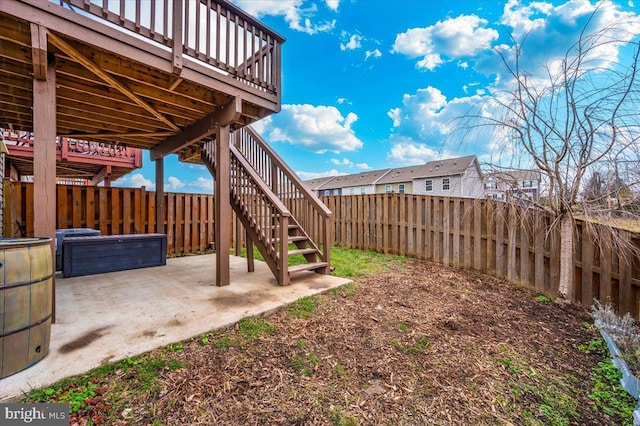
(307, 267)
(302, 251)
(294, 238)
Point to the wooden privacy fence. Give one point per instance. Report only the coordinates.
(496, 238)
(188, 217)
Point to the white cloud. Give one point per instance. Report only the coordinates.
(136, 180)
(262, 125)
(427, 121)
(375, 53)
(333, 4)
(343, 101)
(174, 184)
(350, 41)
(406, 153)
(297, 13)
(454, 38)
(315, 175)
(315, 128)
(549, 31)
(343, 162)
(203, 184)
(363, 166)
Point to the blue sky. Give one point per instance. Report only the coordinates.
(371, 84)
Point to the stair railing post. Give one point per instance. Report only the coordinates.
(283, 267)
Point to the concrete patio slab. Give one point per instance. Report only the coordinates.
(108, 317)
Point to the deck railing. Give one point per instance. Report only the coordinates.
(260, 210)
(213, 31)
(312, 215)
(69, 147)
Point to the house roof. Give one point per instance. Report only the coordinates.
(437, 168)
(314, 184)
(359, 179)
(516, 175)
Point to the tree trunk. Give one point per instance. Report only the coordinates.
(565, 288)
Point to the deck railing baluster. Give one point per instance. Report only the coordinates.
(245, 49)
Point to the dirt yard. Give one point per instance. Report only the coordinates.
(418, 344)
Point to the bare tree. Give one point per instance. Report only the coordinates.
(582, 117)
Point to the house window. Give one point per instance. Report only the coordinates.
(352, 191)
(336, 192)
(387, 189)
(497, 196)
(428, 185)
(491, 185)
(445, 184)
(527, 184)
(401, 188)
(362, 190)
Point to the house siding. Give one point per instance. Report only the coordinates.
(472, 183)
(408, 188)
(455, 186)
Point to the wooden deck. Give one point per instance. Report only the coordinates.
(122, 78)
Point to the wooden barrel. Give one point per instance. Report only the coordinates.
(26, 291)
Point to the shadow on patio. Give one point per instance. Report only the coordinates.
(107, 317)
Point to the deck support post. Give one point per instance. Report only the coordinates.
(221, 192)
(44, 158)
(160, 195)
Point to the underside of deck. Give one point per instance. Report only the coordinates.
(161, 75)
(116, 86)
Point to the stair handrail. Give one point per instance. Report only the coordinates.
(275, 158)
(288, 186)
(274, 251)
(257, 180)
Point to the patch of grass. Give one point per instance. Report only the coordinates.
(403, 326)
(223, 342)
(347, 262)
(418, 346)
(97, 389)
(607, 394)
(301, 344)
(543, 299)
(347, 290)
(205, 338)
(594, 345)
(340, 418)
(304, 365)
(304, 307)
(73, 394)
(174, 347)
(355, 263)
(338, 369)
(539, 399)
(253, 327)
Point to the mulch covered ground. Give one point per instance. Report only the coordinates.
(419, 344)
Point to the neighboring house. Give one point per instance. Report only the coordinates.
(454, 177)
(513, 184)
(357, 184)
(314, 185)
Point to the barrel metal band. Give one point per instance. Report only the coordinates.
(23, 283)
(35, 324)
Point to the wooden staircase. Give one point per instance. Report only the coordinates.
(281, 218)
